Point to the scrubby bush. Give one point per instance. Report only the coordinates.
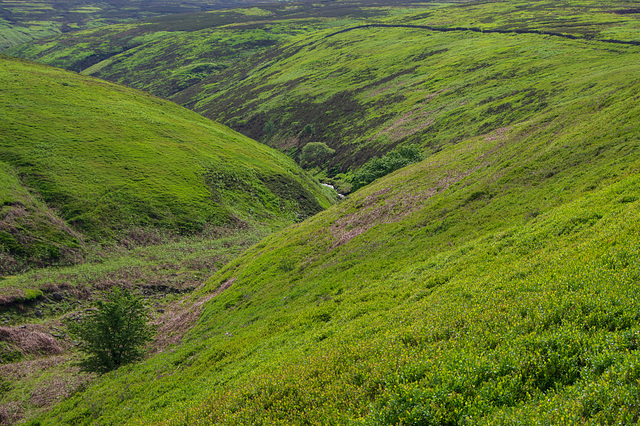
(378, 167)
(315, 154)
(114, 334)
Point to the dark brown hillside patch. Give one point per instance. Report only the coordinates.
(627, 11)
(10, 413)
(31, 340)
(388, 78)
(178, 318)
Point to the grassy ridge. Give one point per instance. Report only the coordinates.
(110, 159)
(492, 283)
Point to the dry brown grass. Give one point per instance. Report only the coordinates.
(410, 123)
(10, 413)
(178, 318)
(498, 134)
(19, 370)
(413, 121)
(53, 378)
(30, 341)
(56, 389)
(225, 285)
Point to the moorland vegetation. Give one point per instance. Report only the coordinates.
(366, 79)
(493, 280)
(25, 21)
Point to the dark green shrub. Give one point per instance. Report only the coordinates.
(308, 129)
(315, 154)
(378, 167)
(114, 334)
(269, 128)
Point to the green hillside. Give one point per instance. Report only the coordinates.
(364, 90)
(492, 283)
(88, 160)
(476, 285)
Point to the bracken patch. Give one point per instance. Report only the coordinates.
(31, 342)
(173, 324)
(10, 413)
(58, 388)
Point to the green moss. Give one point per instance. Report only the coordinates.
(31, 295)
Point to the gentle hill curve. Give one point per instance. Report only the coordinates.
(97, 159)
(495, 282)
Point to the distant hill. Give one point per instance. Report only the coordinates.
(409, 80)
(22, 21)
(25, 22)
(166, 55)
(86, 160)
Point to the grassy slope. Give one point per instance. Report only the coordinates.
(29, 229)
(109, 160)
(37, 368)
(493, 283)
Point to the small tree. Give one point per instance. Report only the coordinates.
(114, 334)
(315, 153)
(378, 167)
